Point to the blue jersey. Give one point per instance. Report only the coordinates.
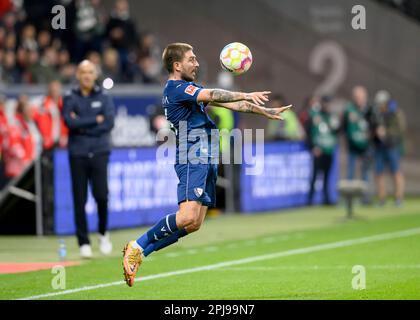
(197, 143)
(180, 103)
(185, 114)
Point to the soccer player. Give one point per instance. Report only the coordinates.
(184, 103)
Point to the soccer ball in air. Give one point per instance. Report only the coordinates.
(236, 58)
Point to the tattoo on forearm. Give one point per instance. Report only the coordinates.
(270, 111)
(249, 107)
(219, 95)
(244, 106)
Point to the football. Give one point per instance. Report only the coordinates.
(236, 58)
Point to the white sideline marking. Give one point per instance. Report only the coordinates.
(338, 267)
(320, 247)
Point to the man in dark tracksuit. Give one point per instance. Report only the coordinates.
(89, 115)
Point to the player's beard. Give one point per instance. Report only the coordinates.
(189, 76)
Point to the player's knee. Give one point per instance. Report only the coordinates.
(187, 215)
(195, 225)
(191, 220)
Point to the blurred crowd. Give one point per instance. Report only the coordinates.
(373, 135)
(32, 52)
(27, 130)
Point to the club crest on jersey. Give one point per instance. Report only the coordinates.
(198, 192)
(191, 90)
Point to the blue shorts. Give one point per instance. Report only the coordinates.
(197, 182)
(387, 157)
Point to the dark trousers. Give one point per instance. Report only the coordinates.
(323, 164)
(94, 171)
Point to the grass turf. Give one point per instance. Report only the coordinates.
(392, 266)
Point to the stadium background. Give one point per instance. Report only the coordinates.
(300, 48)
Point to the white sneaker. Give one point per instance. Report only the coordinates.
(105, 245)
(85, 251)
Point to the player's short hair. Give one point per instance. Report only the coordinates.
(174, 52)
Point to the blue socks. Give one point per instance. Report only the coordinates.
(162, 234)
(155, 246)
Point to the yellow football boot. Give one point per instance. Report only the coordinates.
(132, 259)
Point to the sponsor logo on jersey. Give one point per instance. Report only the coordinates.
(191, 90)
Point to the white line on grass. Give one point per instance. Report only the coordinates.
(316, 267)
(320, 247)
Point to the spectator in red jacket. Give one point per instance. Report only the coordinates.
(50, 123)
(30, 136)
(49, 120)
(13, 150)
(23, 142)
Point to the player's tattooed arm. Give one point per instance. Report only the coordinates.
(241, 106)
(222, 96)
(249, 107)
(245, 106)
(272, 113)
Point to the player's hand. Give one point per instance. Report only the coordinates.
(100, 118)
(73, 115)
(259, 98)
(275, 113)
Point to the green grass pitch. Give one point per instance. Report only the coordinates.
(305, 253)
